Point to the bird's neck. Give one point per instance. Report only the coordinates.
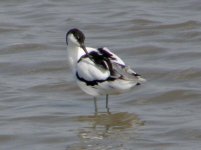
(74, 53)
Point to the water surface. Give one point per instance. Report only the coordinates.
(41, 108)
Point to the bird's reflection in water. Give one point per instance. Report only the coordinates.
(105, 124)
(105, 130)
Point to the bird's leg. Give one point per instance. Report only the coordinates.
(95, 105)
(108, 109)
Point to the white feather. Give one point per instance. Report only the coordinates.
(89, 71)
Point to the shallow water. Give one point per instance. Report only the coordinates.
(41, 108)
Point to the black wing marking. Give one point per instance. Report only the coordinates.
(93, 82)
(101, 60)
(107, 54)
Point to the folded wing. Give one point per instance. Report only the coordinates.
(103, 65)
(119, 67)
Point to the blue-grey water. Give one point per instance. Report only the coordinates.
(41, 108)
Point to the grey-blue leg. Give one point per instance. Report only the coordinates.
(107, 107)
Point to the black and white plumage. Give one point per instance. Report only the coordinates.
(98, 71)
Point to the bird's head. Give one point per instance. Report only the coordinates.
(75, 37)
